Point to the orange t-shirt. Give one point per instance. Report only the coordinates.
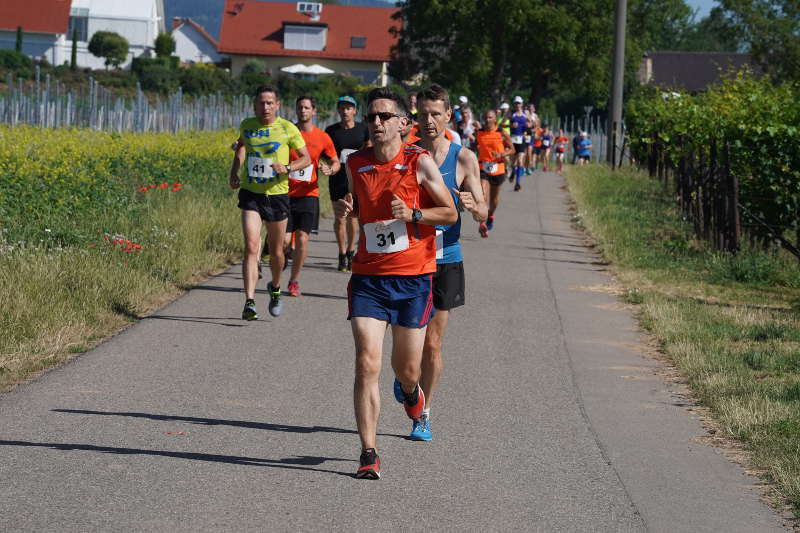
(317, 142)
(537, 136)
(561, 143)
(374, 182)
(488, 142)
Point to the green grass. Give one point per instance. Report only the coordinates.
(66, 196)
(729, 323)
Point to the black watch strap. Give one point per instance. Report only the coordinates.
(416, 215)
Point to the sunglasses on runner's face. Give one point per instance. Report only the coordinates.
(383, 116)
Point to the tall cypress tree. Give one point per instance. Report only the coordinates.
(73, 58)
(18, 47)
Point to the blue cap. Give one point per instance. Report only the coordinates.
(347, 100)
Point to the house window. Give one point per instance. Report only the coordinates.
(79, 21)
(304, 37)
(358, 42)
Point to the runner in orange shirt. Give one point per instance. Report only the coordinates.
(494, 145)
(561, 149)
(304, 187)
(400, 196)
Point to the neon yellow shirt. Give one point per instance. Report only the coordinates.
(264, 145)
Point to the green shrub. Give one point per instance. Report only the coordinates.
(13, 60)
(110, 46)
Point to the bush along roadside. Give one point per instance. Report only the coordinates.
(98, 229)
(730, 323)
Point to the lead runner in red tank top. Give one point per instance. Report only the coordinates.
(399, 195)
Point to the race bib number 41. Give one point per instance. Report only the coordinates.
(259, 169)
(304, 174)
(386, 236)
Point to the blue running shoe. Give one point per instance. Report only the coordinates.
(490, 223)
(421, 429)
(398, 392)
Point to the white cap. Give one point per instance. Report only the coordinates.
(517, 99)
(504, 105)
(584, 134)
(463, 99)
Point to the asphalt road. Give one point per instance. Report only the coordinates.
(549, 417)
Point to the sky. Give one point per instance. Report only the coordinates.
(704, 6)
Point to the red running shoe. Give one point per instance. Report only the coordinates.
(483, 230)
(294, 288)
(370, 465)
(415, 411)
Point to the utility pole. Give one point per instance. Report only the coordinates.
(615, 111)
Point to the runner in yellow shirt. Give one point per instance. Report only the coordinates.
(261, 168)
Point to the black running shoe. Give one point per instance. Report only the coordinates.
(370, 465)
(350, 255)
(342, 263)
(249, 312)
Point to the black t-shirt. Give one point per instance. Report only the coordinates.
(344, 139)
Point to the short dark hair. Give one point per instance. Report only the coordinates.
(385, 93)
(435, 92)
(265, 89)
(306, 97)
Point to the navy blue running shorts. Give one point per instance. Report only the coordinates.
(402, 300)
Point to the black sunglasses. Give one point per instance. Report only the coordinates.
(383, 116)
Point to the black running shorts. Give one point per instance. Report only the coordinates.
(448, 286)
(494, 180)
(337, 187)
(271, 207)
(520, 148)
(303, 214)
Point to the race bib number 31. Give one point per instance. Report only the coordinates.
(259, 169)
(386, 236)
(304, 174)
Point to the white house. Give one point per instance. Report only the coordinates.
(48, 26)
(139, 21)
(193, 44)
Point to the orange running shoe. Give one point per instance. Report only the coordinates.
(370, 465)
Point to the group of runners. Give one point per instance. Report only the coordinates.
(399, 182)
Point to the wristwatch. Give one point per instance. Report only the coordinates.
(416, 215)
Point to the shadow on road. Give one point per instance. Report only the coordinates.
(298, 462)
(198, 319)
(218, 422)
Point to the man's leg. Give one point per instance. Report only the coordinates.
(368, 336)
(300, 251)
(340, 231)
(432, 364)
(407, 344)
(494, 198)
(277, 232)
(251, 229)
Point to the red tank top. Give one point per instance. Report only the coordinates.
(410, 249)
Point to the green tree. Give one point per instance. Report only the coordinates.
(18, 45)
(73, 55)
(165, 45)
(109, 45)
(771, 29)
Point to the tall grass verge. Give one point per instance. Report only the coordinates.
(99, 229)
(729, 323)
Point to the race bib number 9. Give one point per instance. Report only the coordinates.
(304, 174)
(490, 167)
(386, 236)
(259, 169)
(516, 139)
(439, 244)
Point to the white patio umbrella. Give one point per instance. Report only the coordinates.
(297, 68)
(318, 69)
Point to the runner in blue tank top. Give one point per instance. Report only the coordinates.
(519, 127)
(459, 168)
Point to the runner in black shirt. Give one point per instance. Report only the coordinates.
(348, 136)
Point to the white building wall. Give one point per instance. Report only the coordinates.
(192, 47)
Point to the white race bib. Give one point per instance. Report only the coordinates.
(439, 244)
(516, 139)
(304, 174)
(259, 169)
(386, 236)
(490, 167)
(545, 142)
(345, 154)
